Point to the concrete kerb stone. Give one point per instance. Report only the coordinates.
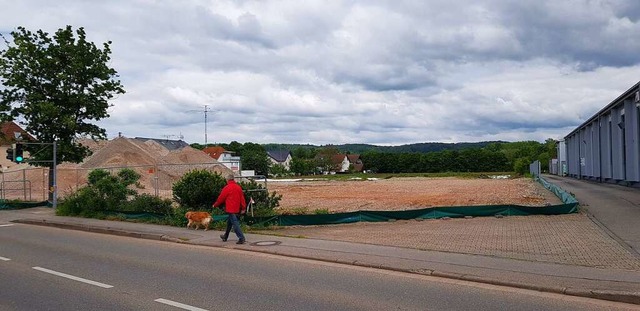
(618, 296)
(112, 231)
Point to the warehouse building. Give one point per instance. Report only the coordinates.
(606, 147)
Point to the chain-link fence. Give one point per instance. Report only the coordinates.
(31, 184)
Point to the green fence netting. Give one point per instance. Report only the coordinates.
(563, 195)
(426, 213)
(570, 205)
(20, 205)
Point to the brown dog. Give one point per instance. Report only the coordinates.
(197, 219)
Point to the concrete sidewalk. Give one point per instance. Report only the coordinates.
(621, 285)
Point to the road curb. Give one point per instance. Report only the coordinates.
(107, 230)
(618, 296)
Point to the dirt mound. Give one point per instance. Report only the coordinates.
(158, 167)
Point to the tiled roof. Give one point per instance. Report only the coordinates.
(353, 158)
(8, 129)
(167, 143)
(214, 151)
(279, 155)
(337, 158)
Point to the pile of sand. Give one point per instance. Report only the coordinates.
(158, 166)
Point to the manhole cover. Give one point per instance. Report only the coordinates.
(266, 243)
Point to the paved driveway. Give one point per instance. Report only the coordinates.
(616, 208)
(575, 239)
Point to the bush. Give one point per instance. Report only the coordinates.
(104, 192)
(146, 203)
(112, 190)
(198, 189)
(176, 217)
(265, 202)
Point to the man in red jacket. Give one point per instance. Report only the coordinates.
(234, 205)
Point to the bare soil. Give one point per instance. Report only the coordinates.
(408, 193)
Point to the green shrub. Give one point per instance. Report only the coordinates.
(146, 203)
(84, 201)
(112, 190)
(198, 189)
(104, 192)
(176, 217)
(265, 202)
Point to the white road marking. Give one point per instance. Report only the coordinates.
(178, 305)
(6, 225)
(75, 278)
(4, 259)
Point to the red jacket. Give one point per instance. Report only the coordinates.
(232, 197)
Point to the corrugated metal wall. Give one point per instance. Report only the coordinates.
(606, 147)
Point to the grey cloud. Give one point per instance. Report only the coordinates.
(385, 72)
(592, 34)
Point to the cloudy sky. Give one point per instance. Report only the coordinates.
(370, 71)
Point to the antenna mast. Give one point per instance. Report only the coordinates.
(206, 112)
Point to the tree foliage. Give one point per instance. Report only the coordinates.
(498, 157)
(56, 86)
(106, 192)
(198, 189)
(254, 157)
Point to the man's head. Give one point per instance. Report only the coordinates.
(229, 177)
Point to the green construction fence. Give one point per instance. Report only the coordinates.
(570, 205)
(4, 204)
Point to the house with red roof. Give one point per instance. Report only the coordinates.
(343, 163)
(9, 131)
(225, 157)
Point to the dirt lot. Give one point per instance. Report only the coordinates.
(409, 193)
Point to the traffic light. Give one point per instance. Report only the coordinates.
(17, 153)
(10, 154)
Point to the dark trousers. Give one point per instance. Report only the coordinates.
(233, 222)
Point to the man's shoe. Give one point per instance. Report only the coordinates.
(223, 238)
(241, 242)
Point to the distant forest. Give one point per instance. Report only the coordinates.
(490, 156)
(363, 148)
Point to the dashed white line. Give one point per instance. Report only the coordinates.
(6, 225)
(71, 277)
(4, 259)
(178, 305)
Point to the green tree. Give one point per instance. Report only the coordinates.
(301, 166)
(278, 170)
(254, 157)
(57, 86)
(198, 189)
(197, 146)
(235, 147)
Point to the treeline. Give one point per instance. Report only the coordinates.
(467, 157)
(468, 160)
(408, 148)
(494, 157)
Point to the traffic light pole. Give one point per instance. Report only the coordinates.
(54, 185)
(55, 177)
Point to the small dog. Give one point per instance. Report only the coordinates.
(197, 219)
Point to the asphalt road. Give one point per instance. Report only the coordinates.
(44, 268)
